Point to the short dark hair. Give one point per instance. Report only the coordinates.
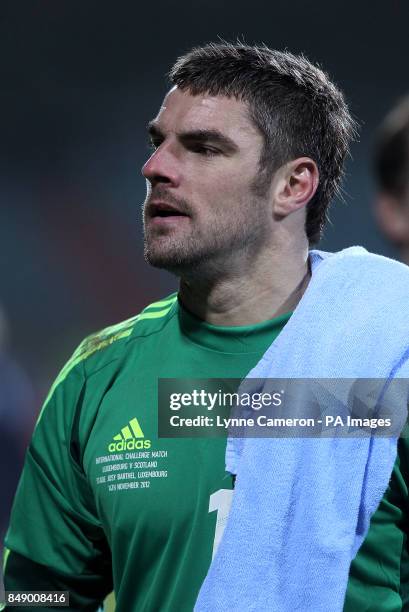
(392, 151)
(299, 111)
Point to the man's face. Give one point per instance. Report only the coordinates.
(204, 211)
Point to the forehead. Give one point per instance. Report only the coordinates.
(180, 111)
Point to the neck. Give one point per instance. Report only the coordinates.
(267, 287)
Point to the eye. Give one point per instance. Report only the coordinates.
(204, 150)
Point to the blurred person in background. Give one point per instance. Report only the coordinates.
(392, 176)
(16, 423)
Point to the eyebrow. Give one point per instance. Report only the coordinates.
(201, 136)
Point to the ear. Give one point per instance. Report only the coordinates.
(295, 184)
(393, 218)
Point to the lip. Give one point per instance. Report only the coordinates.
(156, 207)
(168, 221)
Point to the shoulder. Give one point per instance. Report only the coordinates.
(356, 263)
(358, 256)
(110, 340)
(109, 345)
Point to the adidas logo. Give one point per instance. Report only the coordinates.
(130, 438)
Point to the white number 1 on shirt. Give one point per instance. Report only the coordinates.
(220, 502)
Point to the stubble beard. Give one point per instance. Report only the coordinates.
(210, 251)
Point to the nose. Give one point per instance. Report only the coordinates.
(162, 167)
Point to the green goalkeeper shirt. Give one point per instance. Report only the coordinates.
(104, 503)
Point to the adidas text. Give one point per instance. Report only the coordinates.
(132, 444)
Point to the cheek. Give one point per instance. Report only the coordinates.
(218, 189)
(222, 186)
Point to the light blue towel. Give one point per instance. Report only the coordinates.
(301, 507)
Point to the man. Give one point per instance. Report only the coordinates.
(392, 176)
(248, 149)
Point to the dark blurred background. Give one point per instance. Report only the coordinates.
(79, 82)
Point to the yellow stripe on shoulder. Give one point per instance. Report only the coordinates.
(90, 345)
(5, 557)
(159, 309)
(105, 337)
